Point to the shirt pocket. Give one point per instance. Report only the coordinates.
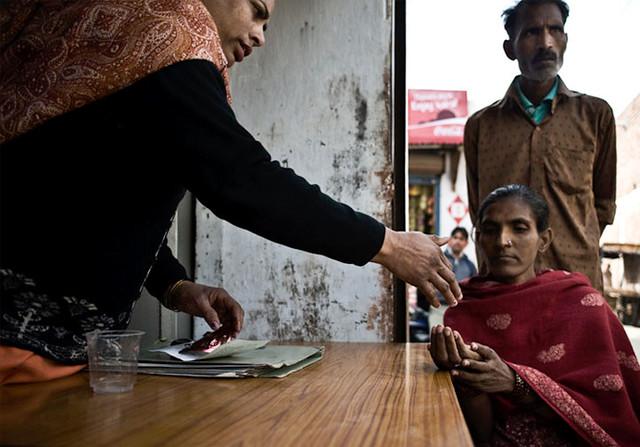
(569, 168)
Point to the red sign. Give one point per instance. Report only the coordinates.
(437, 116)
(458, 209)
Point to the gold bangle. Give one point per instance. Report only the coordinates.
(166, 298)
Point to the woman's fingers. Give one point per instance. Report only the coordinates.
(438, 345)
(417, 259)
(445, 281)
(209, 315)
(443, 347)
(466, 377)
(450, 345)
(485, 351)
(214, 304)
(438, 281)
(440, 241)
(222, 302)
(475, 365)
(438, 349)
(448, 275)
(429, 292)
(464, 349)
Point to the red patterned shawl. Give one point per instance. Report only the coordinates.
(58, 55)
(562, 338)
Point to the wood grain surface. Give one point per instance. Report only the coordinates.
(360, 394)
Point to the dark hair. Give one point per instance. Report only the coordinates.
(511, 15)
(538, 206)
(461, 230)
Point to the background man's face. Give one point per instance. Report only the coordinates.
(457, 243)
(539, 42)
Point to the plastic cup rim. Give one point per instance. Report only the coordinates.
(116, 332)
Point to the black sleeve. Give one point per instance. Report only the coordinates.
(233, 175)
(165, 272)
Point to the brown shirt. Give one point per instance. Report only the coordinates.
(569, 158)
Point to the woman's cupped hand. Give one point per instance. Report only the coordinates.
(448, 349)
(474, 366)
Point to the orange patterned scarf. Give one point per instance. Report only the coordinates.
(59, 55)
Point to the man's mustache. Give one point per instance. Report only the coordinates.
(545, 55)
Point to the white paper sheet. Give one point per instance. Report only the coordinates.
(230, 348)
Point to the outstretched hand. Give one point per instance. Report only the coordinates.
(489, 374)
(448, 349)
(213, 304)
(417, 259)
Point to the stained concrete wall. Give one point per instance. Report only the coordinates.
(318, 98)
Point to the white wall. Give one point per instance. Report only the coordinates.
(317, 97)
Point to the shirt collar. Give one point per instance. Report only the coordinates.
(526, 102)
(450, 253)
(511, 96)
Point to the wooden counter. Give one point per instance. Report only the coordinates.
(360, 394)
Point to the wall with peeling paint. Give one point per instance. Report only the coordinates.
(317, 97)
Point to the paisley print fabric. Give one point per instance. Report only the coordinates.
(58, 55)
(38, 321)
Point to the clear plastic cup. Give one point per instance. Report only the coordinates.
(113, 360)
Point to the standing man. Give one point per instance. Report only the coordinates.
(541, 134)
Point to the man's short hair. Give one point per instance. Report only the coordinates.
(462, 230)
(511, 15)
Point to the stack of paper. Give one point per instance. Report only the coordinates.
(237, 358)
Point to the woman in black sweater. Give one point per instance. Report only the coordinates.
(111, 111)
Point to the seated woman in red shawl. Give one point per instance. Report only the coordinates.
(548, 363)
